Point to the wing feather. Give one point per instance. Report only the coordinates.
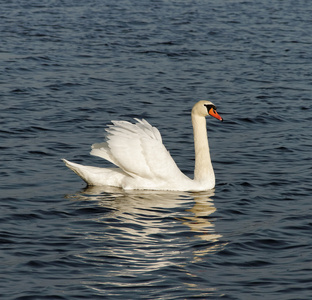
(138, 150)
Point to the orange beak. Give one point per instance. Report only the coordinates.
(213, 113)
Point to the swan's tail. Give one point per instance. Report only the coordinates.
(80, 170)
(96, 176)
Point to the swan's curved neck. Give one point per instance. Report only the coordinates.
(203, 167)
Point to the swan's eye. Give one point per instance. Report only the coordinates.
(209, 106)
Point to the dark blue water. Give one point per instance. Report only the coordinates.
(69, 67)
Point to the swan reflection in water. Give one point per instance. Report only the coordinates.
(155, 222)
(141, 233)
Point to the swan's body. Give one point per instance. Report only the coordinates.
(142, 160)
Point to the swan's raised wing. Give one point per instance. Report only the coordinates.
(138, 150)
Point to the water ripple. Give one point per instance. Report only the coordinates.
(69, 68)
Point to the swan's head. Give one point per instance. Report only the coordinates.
(204, 108)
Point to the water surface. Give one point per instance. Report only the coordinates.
(68, 68)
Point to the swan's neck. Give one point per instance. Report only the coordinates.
(203, 167)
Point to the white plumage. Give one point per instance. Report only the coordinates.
(142, 160)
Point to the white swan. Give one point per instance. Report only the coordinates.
(142, 160)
